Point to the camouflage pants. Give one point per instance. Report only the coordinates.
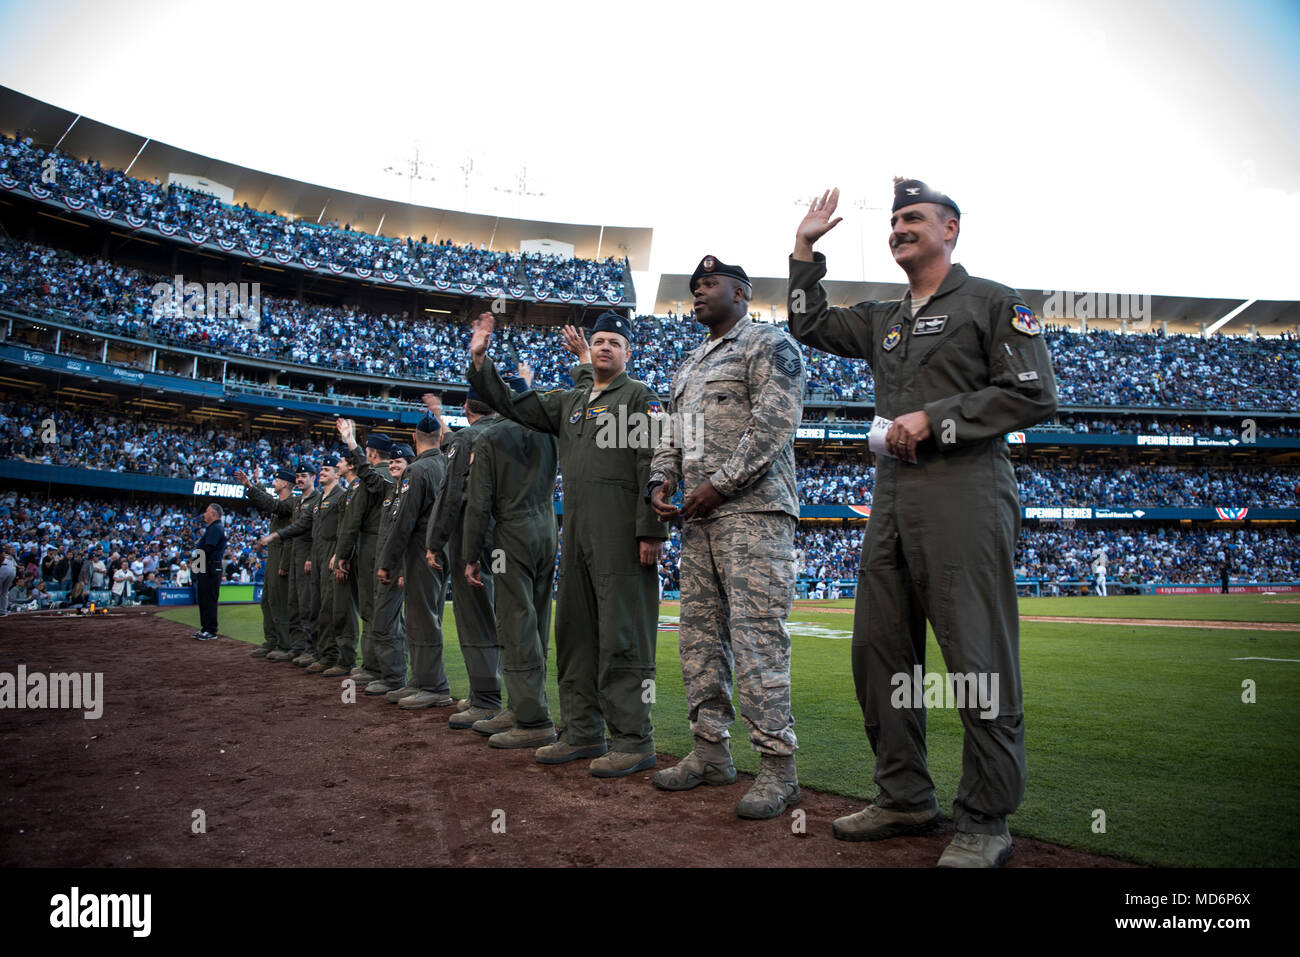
(737, 575)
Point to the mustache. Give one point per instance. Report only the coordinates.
(896, 241)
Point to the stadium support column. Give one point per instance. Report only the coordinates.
(194, 369)
(58, 339)
(103, 352)
(153, 360)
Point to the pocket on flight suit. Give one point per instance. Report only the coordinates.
(944, 603)
(779, 564)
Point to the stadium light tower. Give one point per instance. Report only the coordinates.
(413, 170)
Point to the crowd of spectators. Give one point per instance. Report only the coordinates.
(1100, 369)
(34, 432)
(174, 207)
(1135, 554)
(139, 547)
(1221, 372)
(1165, 554)
(133, 548)
(1165, 486)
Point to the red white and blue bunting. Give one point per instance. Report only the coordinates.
(310, 263)
(8, 182)
(167, 229)
(135, 222)
(73, 203)
(283, 257)
(39, 191)
(198, 238)
(103, 213)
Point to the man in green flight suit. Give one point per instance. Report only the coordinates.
(607, 609)
(510, 508)
(958, 362)
(476, 626)
(389, 620)
(304, 602)
(322, 523)
(403, 555)
(354, 554)
(275, 586)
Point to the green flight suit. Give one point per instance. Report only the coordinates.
(426, 589)
(304, 602)
(331, 629)
(607, 609)
(510, 503)
(275, 587)
(388, 624)
(358, 538)
(476, 626)
(942, 534)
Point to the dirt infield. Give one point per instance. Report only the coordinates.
(286, 774)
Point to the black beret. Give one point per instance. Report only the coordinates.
(284, 473)
(377, 440)
(402, 451)
(611, 321)
(519, 383)
(713, 266)
(306, 467)
(911, 191)
(429, 425)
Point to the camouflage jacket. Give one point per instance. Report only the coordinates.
(735, 406)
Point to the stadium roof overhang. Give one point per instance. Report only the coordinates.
(117, 149)
(1181, 313)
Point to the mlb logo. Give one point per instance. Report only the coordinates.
(1015, 438)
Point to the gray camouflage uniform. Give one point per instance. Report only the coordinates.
(736, 404)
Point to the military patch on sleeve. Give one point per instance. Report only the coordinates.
(893, 337)
(786, 359)
(577, 414)
(1024, 320)
(406, 483)
(451, 452)
(654, 408)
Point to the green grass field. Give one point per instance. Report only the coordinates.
(1144, 723)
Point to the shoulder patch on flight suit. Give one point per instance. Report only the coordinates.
(893, 337)
(1024, 320)
(654, 408)
(406, 483)
(786, 359)
(451, 454)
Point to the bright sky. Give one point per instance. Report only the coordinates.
(1147, 146)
